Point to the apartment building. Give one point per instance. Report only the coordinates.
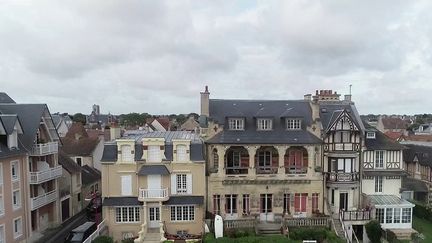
(153, 185)
(30, 132)
(264, 158)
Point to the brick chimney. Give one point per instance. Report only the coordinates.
(326, 95)
(205, 102)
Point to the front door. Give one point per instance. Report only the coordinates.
(65, 209)
(266, 207)
(154, 185)
(343, 201)
(154, 217)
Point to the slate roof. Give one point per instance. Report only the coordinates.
(67, 163)
(329, 112)
(56, 119)
(380, 141)
(153, 170)
(89, 175)
(121, 201)
(250, 110)
(9, 122)
(411, 184)
(4, 98)
(185, 200)
(422, 153)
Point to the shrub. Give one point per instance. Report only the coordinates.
(319, 234)
(103, 239)
(374, 231)
(422, 211)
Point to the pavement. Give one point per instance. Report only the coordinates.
(58, 234)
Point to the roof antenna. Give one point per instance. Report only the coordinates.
(350, 88)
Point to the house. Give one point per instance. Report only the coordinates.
(383, 174)
(153, 186)
(264, 159)
(161, 124)
(30, 148)
(190, 125)
(423, 139)
(70, 187)
(79, 146)
(424, 129)
(60, 124)
(393, 124)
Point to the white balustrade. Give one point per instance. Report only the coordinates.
(42, 200)
(149, 194)
(45, 148)
(45, 175)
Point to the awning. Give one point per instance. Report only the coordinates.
(385, 173)
(381, 201)
(153, 170)
(121, 201)
(185, 200)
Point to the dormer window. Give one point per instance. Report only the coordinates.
(182, 153)
(126, 153)
(236, 123)
(154, 153)
(293, 124)
(264, 124)
(370, 135)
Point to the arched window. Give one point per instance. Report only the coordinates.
(296, 160)
(215, 159)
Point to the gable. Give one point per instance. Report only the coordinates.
(342, 121)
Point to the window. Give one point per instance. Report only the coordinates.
(79, 197)
(406, 215)
(236, 124)
(300, 200)
(286, 204)
(266, 203)
(264, 158)
(181, 183)
(16, 199)
(389, 215)
(2, 234)
(126, 153)
(2, 210)
(397, 215)
(297, 161)
(378, 183)
(126, 185)
(15, 170)
(216, 204)
(315, 197)
(154, 214)
(153, 153)
(17, 227)
(246, 204)
(215, 159)
(182, 213)
(380, 215)
(181, 153)
(370, 135)
(332, 196)
(293, 124)
(342, 165)
(264, 124)
(379, 159)
(231, 203)
(79, 161)
(235, 159)
(127, 214)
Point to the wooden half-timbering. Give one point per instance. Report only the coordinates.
(390, 159)
(343, 134)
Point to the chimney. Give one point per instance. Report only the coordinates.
(308, 97)
(205, 102)
(347, 97)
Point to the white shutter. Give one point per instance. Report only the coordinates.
(189, 183)
(126, 185)
(173, 184)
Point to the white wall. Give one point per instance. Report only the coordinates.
(390, 186)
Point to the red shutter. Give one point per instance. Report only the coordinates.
(297, 202)
(303, 202)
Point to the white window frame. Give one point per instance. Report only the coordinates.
(231, 201)
(406, 216)
(81, 160)
(127, 188)
(264, 124)
(182, 213)
(370, 135)
(293, 123)
(126, 153)
(126, 215)
(379, 181)
(181, 151)
(181, 182)
(379, 159)
(236, 124)
(153, 153)
(18, 204)
(17, 232)
(13, 164)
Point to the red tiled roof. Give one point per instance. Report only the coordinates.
(419, 138)
(394, 135)
(164, 121)
(78, 142)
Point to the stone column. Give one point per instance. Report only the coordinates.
(281, 153)
(252, 151)
(221, 160)
(311, 160)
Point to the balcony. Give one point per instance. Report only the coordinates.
(42, 200)
(153, 194)
(342, 176)
(45, 175)
(260, 170)
(355, 215)
(41, 149)
(236, 170)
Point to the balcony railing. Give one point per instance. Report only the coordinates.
(296, 170)
(267, 170)
(342, 176)
(356, 215)
(236, 170)
(41, 149)
(42, 200)
(45, 175)
(153, 194)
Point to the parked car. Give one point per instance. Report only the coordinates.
(81, 233)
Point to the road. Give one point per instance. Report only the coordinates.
(58, 235)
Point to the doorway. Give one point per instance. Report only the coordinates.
(154, 217)
(343, 201)
(266, 207)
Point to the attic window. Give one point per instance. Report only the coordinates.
(370, 134)
(236, 123)
(264, 124)
(293, 124)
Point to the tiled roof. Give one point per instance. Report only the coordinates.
(77, 141)
(67, 163)
(89, 175)
(418, 138)
(422, 153)
(394, 135)
(394, 123)
(185, 200)
(164, 121)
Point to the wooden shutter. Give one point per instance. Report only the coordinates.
(189, 184)
(173, 184)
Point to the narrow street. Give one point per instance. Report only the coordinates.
(57, 235)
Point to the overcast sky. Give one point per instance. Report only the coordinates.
(156, 56)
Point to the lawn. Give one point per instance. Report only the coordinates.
(423, 226)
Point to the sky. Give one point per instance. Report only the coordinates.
(156, 56)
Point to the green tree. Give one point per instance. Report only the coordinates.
(374, 231)
(103, 239)
(79, 117)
